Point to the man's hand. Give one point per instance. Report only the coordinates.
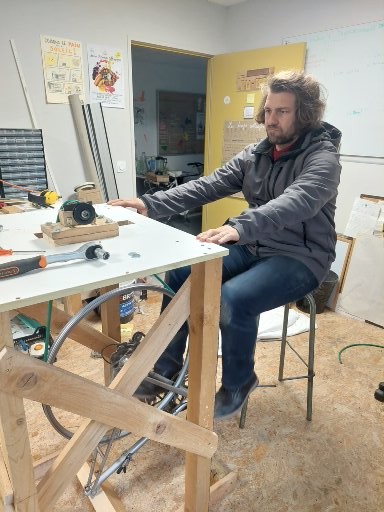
(136, 203)
(221, 235)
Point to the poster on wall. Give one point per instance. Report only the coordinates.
(105, 72)
(63, 69)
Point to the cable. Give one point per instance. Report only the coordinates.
(168, 288)
(105, 348)
(357, 345)
(21, 188)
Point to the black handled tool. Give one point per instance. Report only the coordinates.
(88, 251)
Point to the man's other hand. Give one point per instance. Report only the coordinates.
(222, 235)
(136, 203)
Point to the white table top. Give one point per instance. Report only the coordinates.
(159, 248)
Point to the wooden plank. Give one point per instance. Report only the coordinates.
(11, 209)
(350, 242)
(374, 199)
(41, 466)
(110, 322)
(79, 239)
(84, 333)
(92, 196)
(105, 500)
(23, 376)
(6, 491)
(222, 486)
(14, 438)
(58, 234)
(344, 246)
(220, 489)
(203, 345)
(72, 304)
(110, 315)
(89, 434)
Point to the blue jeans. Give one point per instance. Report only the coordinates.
(250, 286)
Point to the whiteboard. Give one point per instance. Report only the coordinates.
(349, 62)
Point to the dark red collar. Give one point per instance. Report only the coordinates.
(277, 154)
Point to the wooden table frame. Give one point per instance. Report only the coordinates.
(22, 376)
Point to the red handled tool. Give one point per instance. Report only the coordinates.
(88, 251)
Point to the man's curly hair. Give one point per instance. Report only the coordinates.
(309, 94)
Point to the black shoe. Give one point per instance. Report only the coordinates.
(147, 392)
(229, 402)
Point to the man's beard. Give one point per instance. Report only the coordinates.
(282, 139)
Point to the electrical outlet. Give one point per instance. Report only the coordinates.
(121, 165)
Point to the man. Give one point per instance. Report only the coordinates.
(282, 246)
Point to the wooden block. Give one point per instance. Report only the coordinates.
(105, 500)
(157, 178)
(89, 196)
(57, 234)
(222, 488)
(11, 209)
(223, 482)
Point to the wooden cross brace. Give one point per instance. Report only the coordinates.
(23, 377)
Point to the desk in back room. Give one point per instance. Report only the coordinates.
(151, 182)
(159, 248)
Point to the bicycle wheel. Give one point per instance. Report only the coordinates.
(79, 359)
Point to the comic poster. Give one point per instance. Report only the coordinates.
(105, 71)
(63, 69)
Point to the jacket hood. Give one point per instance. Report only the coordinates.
(330, 132)
(324, 132)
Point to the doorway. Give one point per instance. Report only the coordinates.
(156, 70)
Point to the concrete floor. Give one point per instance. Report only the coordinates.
(284, 463)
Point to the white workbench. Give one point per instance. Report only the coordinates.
(142, 248)
(157, 247)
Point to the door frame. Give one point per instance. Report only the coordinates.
(152, 46)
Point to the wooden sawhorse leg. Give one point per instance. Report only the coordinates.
(23, 377)
(14, 441)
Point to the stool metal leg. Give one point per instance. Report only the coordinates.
(243, 414)
(283, 342)
(311, 353)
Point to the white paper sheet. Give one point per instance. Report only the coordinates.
(271, 324)
(363, 218)
(363, 288)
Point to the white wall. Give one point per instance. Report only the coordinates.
(150, 76)
(195, 25)
(173, 23)
(262, 23)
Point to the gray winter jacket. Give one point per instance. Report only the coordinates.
(291, 202)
